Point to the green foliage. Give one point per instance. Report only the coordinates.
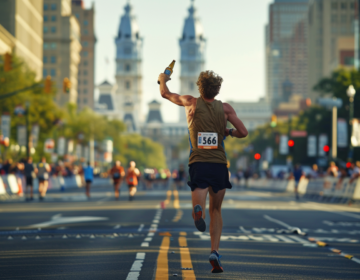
(143, 151)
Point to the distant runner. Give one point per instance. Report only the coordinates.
(297, 174)
(207, 119)
(29, 173)
(89, 177)
(117, 173)
(132, 179)
(43, 171)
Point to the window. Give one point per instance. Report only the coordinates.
(53, 18)
(53, 7)
(85, 63)
(46, 18)
(45, 73)
(53, 29)
(85, 82)
(53, 72)
(334, 5)
(46, 7)
(85, 44)
(85, 53)
(86, 23)
(127, 67)
(77, 15)
(46, 46)
(343, 6)
(53, 59)
(45, 59)
(127, 50)
(85, 91)
(53, 46)
(86, 32)
(352, 6)
(46, 29)
(127, 84)
(343, 18)
(85, 72)
(85, 100)
(334, 18)
(78, 100)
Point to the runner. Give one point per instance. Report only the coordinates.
(29, 173)
(117, 172)
(207, 119)
(43, 177)
(89, 177)
(297, 174)
(180, 177)
(132, 179)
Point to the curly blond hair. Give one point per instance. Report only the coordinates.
(209, 84)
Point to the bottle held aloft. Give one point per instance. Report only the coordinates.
(169, 70)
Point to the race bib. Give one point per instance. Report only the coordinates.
(207, 140)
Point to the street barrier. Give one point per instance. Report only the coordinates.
(328, 189)
(2, 187)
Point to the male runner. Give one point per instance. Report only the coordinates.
(207, 119)
(43, 171)
(132, 179)
(29, 173)
(117, 172)
(89, 177)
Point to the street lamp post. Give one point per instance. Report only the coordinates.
(351, 94)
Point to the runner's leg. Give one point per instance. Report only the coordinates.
(87, 189)
(45, 187)
(116, 189)
(216, 222)
(199, 198)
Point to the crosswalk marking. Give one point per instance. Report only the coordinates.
(285, 239)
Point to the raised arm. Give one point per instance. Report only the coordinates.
(181, 100)
(230, 114)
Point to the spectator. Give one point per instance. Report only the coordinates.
(333, 170)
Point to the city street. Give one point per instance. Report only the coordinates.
(153, 237)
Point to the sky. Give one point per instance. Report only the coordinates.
(235, 33)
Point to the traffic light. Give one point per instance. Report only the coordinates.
(326, 149)
(273, 121)
(48, 84)
(291, 145)
(257, 156)
(66, 85)
(7, 62)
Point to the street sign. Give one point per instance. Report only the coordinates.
(330, 102)
(35, 134)
(49, 146)
(355, 136)
(311, 146)
(284, 148)
(342, 133)
(298, 133)
(78, 149)
(61, 146)
(323, 140)
(5, 126)
(21, 135)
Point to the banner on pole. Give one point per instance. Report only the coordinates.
(284, 148)
(342, 133)
(323, 140)
(5, 126)
(86, 153)
(70, 147)
(311, 146)
(21, 135)
(49, 146)
(355, 135)
(35, 134)
(61, 146)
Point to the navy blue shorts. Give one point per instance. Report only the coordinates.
(207, 174)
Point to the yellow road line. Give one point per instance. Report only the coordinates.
(168, 197)
(185, 258)
(162, 267)
(178, 216)
(176, 199)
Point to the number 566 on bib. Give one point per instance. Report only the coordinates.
(207, 140)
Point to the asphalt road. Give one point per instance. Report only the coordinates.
(153, 237)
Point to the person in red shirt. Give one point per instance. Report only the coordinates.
(117, 173)
(132, 179)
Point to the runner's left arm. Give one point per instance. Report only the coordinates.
(181, 100)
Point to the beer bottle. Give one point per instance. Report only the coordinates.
(168, 71)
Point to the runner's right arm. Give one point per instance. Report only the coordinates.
(181, 100)
(230, 114)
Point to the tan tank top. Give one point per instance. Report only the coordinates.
(208, 117)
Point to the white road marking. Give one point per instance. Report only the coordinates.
(277, 222)
(101, 201)
(356, 260)
(299, 239)
(270, 238)
(148, 239)
(117, 226)
(150, 234)
(244, 230)
(145, 244)
(285, 239)
(141, 227)
(137, 265)
(140, 256)
(69, 220)
(155, 221)
(133, 275)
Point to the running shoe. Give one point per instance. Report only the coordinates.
(214, 260)
(199, 221)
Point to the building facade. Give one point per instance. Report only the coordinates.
(192, 56)
(331, 38)
(7, 41)
(23, 20)
(128, 75)
(286, 50)
(61, 48)
(86, 72)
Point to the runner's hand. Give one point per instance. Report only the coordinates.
(163, 78)
(227, 132)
